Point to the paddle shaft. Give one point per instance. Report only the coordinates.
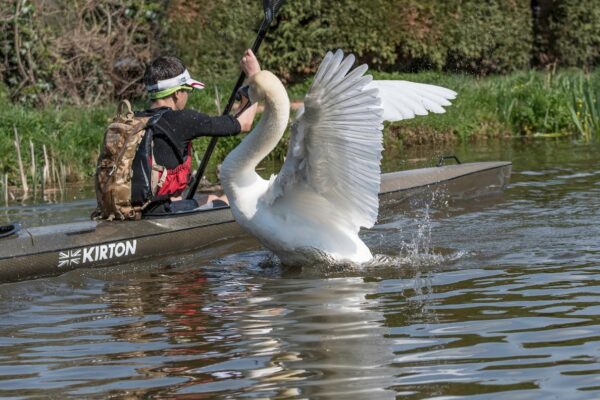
(262, 32)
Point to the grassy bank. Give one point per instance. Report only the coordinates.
(527, 103)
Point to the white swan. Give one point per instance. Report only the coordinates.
(328, 186)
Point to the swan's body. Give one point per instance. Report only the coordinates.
(328, 186)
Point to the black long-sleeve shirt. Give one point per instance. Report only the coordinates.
(183, 126)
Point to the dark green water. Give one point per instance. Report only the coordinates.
(497, 298)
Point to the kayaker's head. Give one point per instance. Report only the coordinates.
(168, 83)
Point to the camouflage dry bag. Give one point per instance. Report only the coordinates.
(114, 169)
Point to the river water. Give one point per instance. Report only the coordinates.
(494, 298)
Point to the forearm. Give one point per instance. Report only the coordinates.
(246, 118)
(250, 67)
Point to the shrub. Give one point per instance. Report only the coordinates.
(461, 35)
(464, 35)
(307, 29)
(574, 33)
(211, 36)
(535, 103)
(585, 105)
(78, 51)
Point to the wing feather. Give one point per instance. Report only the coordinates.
(336, 143)
(336, 139)
(403, 99)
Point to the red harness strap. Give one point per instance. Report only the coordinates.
(177, 178)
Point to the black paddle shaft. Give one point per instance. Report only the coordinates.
(271, 7)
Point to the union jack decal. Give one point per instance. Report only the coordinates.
(69, 257)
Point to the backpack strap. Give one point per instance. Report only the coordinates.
(156, 116)
(155, 181)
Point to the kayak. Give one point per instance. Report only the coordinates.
(35, 252)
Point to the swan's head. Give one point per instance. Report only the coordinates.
(262, 85)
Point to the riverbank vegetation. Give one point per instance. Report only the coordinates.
(534, 104)
(520, 68)
(81, 52)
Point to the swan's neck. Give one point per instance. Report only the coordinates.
(238, 169)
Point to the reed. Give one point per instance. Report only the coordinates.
(17, 143)
(54, 172)
(218, 100)
(58, 179)
(46, 170)
(32, 168)
(45, 177)
(585, 109)
(5, 188)
(62, 184)
(42, 187)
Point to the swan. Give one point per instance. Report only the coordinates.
(328, 186)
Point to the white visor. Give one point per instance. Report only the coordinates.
(182, 79)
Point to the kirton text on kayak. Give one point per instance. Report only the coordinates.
(99, 252)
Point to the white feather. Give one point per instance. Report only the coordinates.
(340, 134)
(403, 100)
(328, 186)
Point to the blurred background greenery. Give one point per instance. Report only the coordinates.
(520, 67)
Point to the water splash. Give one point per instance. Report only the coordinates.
(408, 240)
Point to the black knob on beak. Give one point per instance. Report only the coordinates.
(242, 92)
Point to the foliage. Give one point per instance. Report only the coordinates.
(82, 52)
(456, 35)
(210, 36)
(533, 102)
(72, 137)
(489, 37)
(76, 51)
(528, 104)
(27, 65)
(90, 53)
(521, 104)
(585, 106)
(307, 29)
(465, 35)
(472, 114)
(574, 33)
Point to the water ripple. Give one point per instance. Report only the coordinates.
(490, 298)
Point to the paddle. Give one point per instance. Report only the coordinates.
(271, 8)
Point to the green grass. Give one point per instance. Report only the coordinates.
(585, 106)
(521, 104)
(528, 103)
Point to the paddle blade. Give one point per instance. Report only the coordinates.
(271, 8)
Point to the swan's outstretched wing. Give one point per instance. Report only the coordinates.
(403, 100)
(336, 141)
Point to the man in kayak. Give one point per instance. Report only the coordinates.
(168, 84)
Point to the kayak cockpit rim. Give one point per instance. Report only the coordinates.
(9, 230)
(185, 212)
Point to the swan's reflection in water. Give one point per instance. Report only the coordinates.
(327, 331)
(230, 333)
